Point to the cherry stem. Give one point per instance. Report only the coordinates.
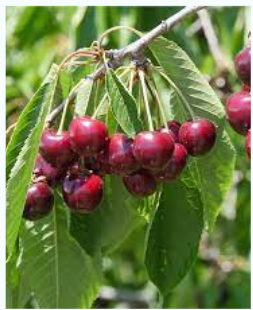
(145, 97)
(158, 100)
(131, 81)
(171, 83)
(99, 106)
(116, 28)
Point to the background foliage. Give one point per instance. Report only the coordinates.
(220, 278)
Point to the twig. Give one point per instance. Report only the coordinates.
(212, 41)
(133, 50)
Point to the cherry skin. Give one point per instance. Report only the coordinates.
(238, 109)
(173, 127)
(87, 136)
(52, 174)
(175, 166)
(120, 154)
(198, 136)
(248, 144)
(82, 193)
(243, 65)
(153, 149)
(39, 201)
(140, 184)
(103, 159)
(246, 88)
(55, 148)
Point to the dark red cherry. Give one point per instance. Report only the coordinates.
(248, 144)
(103, 159)
(120, 154)
(175, 165)
(87, 136)
(52, 174)
(173, 127)
(82, 193)
(238, 109)
(140, 184)
(153, 149)
(198, 136)
(243, 65)
(39, 201)
(55, 148)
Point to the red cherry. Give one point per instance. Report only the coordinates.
(103, 159)
(82, 193)
(246, 88)
(153, 149)
(175, 165)
(197, 136)
(52, 174)
(120, 154)
(174, 127)
(238, 109)
(248, 144)
(87, 136)
(243, 65)
(140, 184)
(39, 201)
(55, 148)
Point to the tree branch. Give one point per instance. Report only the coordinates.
(132, 50)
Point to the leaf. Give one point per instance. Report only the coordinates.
(174, 235)
(193, 95)
(58, 270)
(190, 84)
(123, 105)
(21, 154)
(84, 96)
(111, 223)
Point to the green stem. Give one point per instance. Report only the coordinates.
(145, 97)
(60, 129)
(158, 100)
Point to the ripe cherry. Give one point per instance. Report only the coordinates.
(87, 136)
(197, 136)
(238, 109)
(175, 165)
(153, 149)
(243, 65)
(173, 127)
(103, 159)
(55, 148)
(120, 154)
(140, 184)
(82, 193)
(248, 144)
(39, 201)
(52, 174)
(246, 88)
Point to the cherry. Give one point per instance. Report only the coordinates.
(248, 144)
(120, 154)
(52, 174)
(103, 159)
(140, 184)
(197, 136)
(87, 136)
(175, 165)
(238, 108)
(153, 149)
(174, 127)
(246, 88)
(55, 148)
(39, 201)
(243, 65)
(82, 193)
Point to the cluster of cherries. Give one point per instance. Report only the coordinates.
(238, 106)
(80, 157)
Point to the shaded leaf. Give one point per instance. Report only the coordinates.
(84, 96)
(174, 236)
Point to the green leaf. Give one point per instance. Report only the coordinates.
(111, 223)
(123, 105)
(189, 83)
(58, 270)
(84, 96)
(21, 154)
(174, 235)
(193, 97)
